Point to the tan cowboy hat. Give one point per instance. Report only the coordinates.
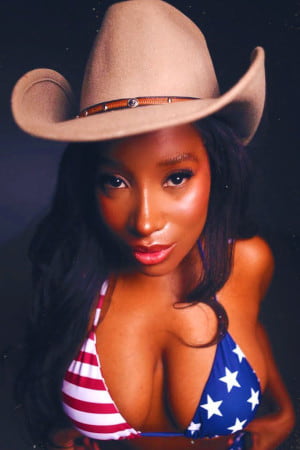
(149, 68)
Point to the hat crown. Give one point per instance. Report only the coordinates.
(147, 48)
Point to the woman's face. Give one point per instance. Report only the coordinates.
(153, 193)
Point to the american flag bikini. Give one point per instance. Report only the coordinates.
(228, 403)
(86, 400)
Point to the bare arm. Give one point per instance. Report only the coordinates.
(66, 439)
(63, 438)
(71, 439)
(271, 430)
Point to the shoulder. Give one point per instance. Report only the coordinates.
(253, 262)
(255, 251)
(251, 275)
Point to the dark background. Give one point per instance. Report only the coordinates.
(58, 35)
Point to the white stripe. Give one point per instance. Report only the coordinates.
(106, 436)
(85, 394)
(93, 418)
(97, 315)
(88, 346)
(104, 288)
(85, 370)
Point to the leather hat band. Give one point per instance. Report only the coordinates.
(134, 102)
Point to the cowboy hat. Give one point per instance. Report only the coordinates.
(149, 68)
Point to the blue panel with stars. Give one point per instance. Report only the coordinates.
(231, 395)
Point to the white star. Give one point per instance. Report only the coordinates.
(212, 407)
(237, 426)
(230, 379)
(239, 353)
(193, 427)
(253, 399)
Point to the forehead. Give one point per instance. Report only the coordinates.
(180, 142)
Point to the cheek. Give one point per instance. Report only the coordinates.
(193, 209)
(111, 214)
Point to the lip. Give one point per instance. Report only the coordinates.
(152, 254)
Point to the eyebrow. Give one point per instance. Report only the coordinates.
(178, 159)
(172, 161)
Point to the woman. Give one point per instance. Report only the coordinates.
(143, 263)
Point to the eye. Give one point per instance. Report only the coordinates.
(178, 178)
(106, 181)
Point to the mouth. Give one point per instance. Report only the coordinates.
(153, 254)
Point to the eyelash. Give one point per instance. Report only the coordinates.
(107, 181)
(182, 175)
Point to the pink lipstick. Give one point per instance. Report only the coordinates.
(153, 254)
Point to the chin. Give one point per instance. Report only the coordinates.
(156, 270)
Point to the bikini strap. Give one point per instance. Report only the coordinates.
(102, 293)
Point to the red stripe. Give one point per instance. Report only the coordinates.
(102, 428)
(88, 358)
(85, 382)
(100, 408)
(100, 302)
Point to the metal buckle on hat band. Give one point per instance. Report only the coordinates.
(133, 102)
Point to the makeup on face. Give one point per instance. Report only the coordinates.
(153, 193)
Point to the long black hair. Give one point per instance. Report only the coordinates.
(69, 260)
(227, 218)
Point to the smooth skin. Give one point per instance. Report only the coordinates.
(159, 184)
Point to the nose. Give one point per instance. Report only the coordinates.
(147, 215)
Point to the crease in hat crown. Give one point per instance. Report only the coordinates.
(145, 48)
(135, 55)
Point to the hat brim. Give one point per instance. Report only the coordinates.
(42, 105)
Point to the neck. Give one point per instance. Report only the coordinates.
(175, 284)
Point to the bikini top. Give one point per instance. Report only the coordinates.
(228, 403)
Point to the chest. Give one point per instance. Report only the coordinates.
(155, 365)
